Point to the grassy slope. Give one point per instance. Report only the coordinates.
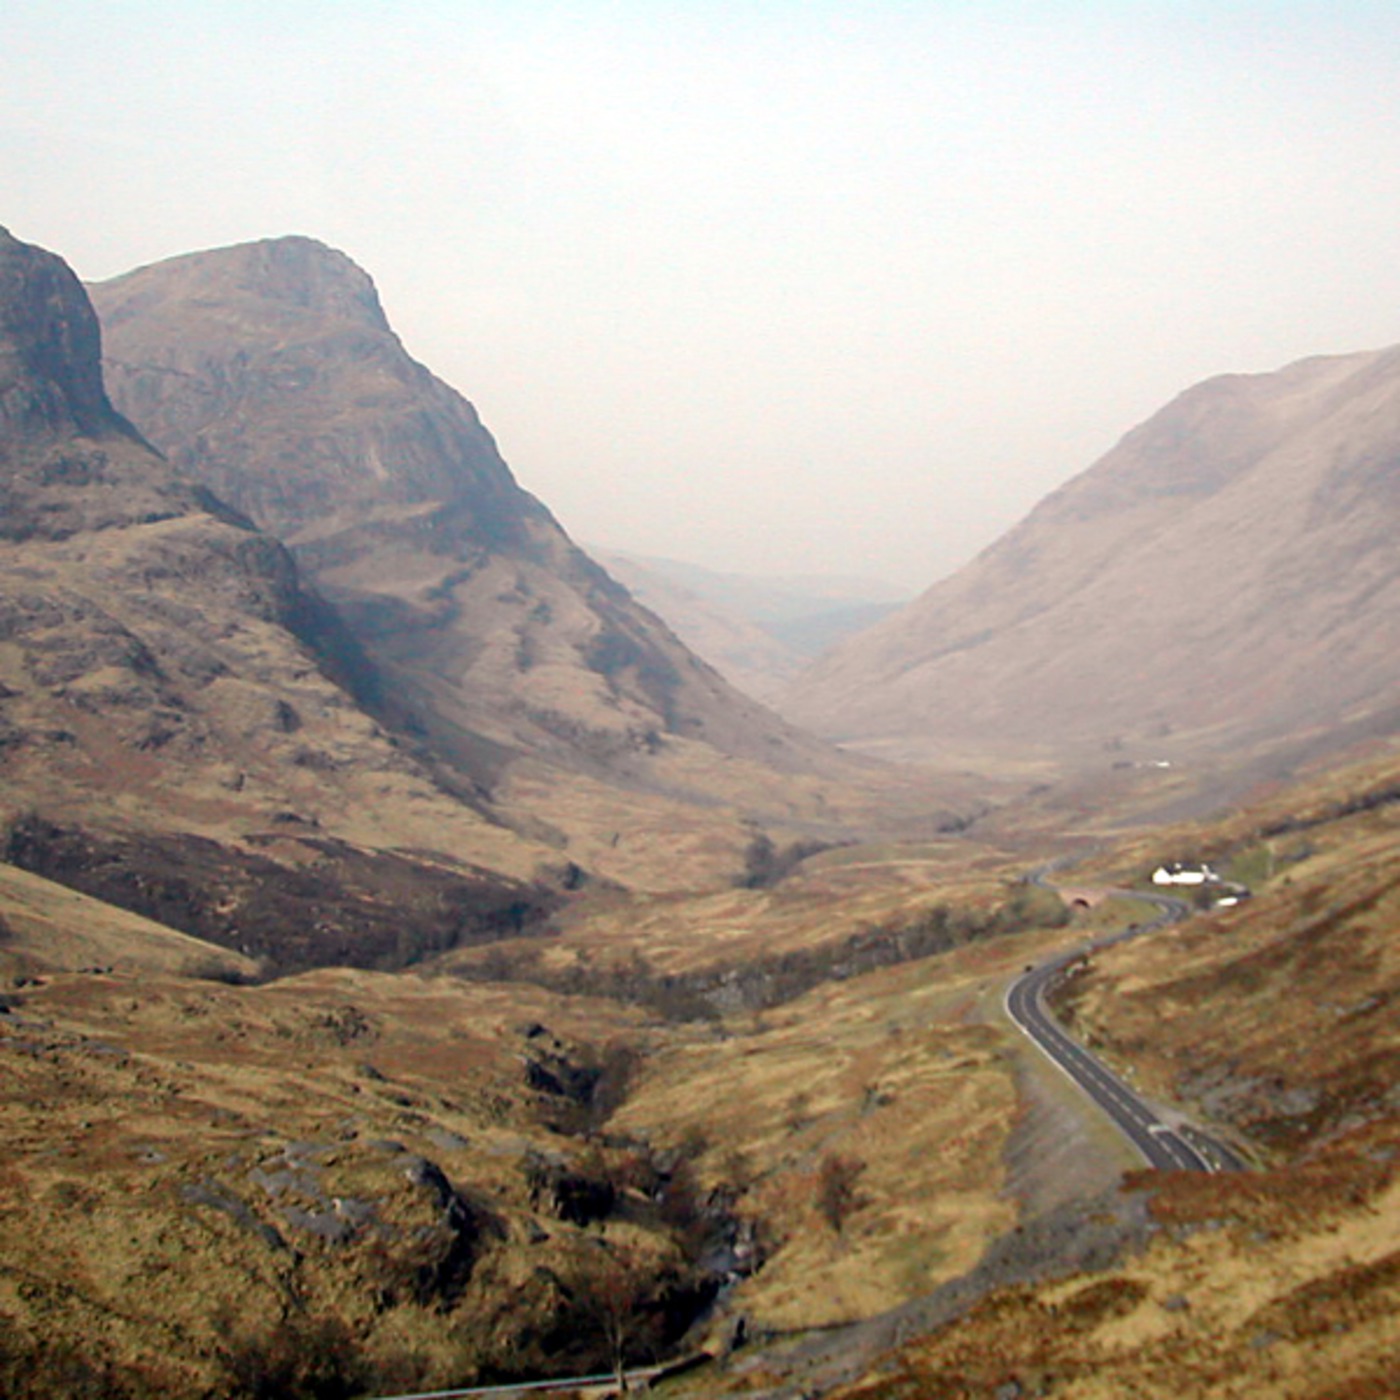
(1279, 1020)
(49, 927)
(130, 1089)
(160, 1129)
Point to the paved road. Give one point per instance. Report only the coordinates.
(1181, 1147)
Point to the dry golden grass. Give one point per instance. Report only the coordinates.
(829, 897)
(159, 1129)
(1280, 1286)
(1279, 1018)
(1281, 1013)
(909, 1071)
(130, 1089)
(134, 1087)
(49, 927)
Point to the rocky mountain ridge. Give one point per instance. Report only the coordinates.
(269, 372)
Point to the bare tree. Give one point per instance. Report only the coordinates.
(611, 1286)
(836, 1189)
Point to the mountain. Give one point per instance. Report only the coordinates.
(759, 633)
(805, 613)
(750, 658)
(269, 372)
(182, 723)
(1223, 582)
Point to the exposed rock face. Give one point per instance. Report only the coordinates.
(50, 364)
(269, 372)
(1225, 577)
(68, 460)
(166, 679)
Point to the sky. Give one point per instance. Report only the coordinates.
(779, 287)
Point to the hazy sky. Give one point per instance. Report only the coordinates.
(774, 286)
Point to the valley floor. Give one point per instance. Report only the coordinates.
(796, 1116)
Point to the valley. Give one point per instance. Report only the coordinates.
(297, 1137)
(418, 968)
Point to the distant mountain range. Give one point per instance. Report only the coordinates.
(1225, 581)
(758, 632)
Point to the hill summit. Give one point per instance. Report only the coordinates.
(182, 730)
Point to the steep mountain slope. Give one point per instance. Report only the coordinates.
(269, 372)
(173, 730)
(1225, 577)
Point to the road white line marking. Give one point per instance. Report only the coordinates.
(1024, 1005)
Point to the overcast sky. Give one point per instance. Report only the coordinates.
(780, 286)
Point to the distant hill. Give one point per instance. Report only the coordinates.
(269, 373)
(742, 652)
(758, 632)
(1224, 582)
(806, 612)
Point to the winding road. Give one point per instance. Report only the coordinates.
(1177, 1146)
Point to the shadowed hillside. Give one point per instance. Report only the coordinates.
(269, 372)
(176, 732)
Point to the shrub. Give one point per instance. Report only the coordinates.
(836, 1189)
(300, 1358)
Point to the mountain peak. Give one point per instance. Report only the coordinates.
(510, 645)
(297, 274)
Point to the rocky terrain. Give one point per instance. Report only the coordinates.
(1221, 582)
(337, 1183)
(269, 373)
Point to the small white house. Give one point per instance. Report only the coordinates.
(1178, 874)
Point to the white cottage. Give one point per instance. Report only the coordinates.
(1178, 874)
